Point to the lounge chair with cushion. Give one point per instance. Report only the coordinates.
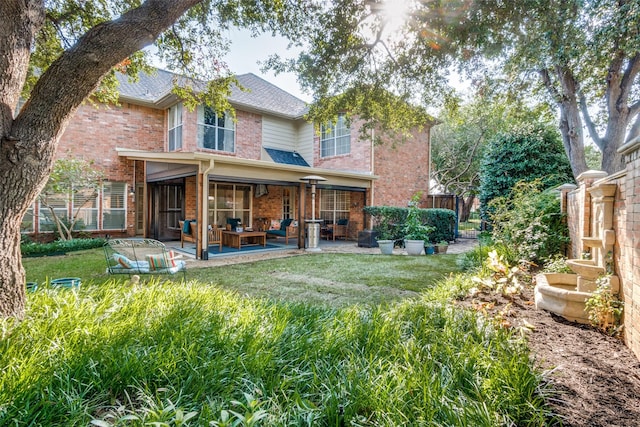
(286, 230)
(188, 231)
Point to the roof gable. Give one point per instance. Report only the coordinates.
(258, 95)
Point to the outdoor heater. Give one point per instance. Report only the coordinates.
(313, 225)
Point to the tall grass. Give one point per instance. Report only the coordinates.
(194, 354)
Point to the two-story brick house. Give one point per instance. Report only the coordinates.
(164, 163)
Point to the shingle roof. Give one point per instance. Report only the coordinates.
(149, 87)
(266, 96)
(286, 157)
(260, 95)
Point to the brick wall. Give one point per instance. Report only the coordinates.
(403, 170)
(403, 166)
(357, 160)
(94, 133)
(626, 223)
(248, 143)
(270, 207)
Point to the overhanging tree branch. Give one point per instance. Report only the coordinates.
(591, 126)
(83, 66)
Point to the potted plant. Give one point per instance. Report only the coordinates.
(416, 234)
(429, 248)
(385, 240)
(441, 247)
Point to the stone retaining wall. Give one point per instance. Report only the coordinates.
(626, 223)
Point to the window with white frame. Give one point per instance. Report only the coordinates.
(215, 131)
(334, 205)
(85, 209)
(59, 204)
(108, 204)
(335, 138)
(114, 209)
(175, 127)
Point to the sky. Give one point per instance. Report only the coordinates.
(245, 52)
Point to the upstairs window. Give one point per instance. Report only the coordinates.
(335, 139)
(215, 131)
(175, 127)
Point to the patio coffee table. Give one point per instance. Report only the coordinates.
(234, 238)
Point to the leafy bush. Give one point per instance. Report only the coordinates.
(390, 221)
(414, 227)
(29, 248)
(604, 308)
(526, 155)
(529, 222)
(556, 264)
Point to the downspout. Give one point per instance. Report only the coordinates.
(205, 210)
(373, 171)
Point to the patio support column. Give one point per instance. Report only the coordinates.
(200, 228)
(203, 222)
(301, 213)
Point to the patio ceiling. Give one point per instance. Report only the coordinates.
(220, 167)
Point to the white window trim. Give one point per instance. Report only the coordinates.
(228, 121)
(176, 112)
(332, 140)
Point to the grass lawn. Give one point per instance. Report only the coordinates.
(336, 279)
(300, 341)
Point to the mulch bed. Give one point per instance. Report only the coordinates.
(595, 377)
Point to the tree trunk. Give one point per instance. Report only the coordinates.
(28, 142)
(465, 210)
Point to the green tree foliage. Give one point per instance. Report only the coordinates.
(528, 223)
(581, 56)
(460, 140)
(524, 156)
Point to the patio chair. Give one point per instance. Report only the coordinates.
(187, 231)
(339, 229)
(215, 237)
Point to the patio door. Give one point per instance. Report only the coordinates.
(166, 208)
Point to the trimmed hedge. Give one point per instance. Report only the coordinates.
(389, 222)
(34, 249)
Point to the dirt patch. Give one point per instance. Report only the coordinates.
(596, 378)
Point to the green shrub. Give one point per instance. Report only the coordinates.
(524, 155)
(529, 222)
(390, 221)
(30, 249)
(556, 264)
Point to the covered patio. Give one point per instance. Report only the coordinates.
(210, 189)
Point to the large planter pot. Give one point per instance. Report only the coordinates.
(386, 246)
(441, 249)
(414, 247)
